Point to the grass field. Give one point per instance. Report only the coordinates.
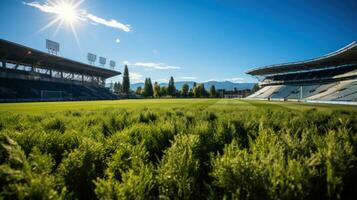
(177, 149)
(39, 107)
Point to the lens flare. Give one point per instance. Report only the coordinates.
(66, 12)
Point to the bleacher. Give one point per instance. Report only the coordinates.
(284, 91)
(338, 91)
(32, 90)
(28, 74)
(341, 91)
(331, 78)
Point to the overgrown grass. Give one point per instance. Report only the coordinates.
(204, 150)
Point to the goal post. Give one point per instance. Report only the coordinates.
(51, 95)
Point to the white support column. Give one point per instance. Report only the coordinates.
(100, 80)
(301, 93)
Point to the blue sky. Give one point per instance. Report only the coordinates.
(196, 40)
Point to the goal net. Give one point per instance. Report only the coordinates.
(48, 94)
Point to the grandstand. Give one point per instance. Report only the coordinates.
(330, 78)
(27, 74)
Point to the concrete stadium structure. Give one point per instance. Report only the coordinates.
(27, 74)
(330, 78)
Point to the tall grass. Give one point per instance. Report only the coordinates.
(179, 153)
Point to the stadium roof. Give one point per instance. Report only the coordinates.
(344, 56)
(16, 53)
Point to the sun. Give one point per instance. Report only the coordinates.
(66, 12)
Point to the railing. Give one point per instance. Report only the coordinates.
(319, 80)
(331, 102)
(307, 101)
(29, 75)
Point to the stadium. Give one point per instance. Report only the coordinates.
(198, 127)
(328, 79)
(28, 74)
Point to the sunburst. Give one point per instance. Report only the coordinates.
(66, 12)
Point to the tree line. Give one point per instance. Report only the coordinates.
(150, 90)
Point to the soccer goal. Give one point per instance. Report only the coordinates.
(51, 95)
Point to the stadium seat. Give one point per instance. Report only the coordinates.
(33, 90)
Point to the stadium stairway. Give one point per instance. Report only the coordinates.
(266, 92)
(259, 92)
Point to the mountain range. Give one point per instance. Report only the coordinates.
(226, 85)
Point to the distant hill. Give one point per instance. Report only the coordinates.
(227, 85)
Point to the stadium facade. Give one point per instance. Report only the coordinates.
(330, 78)
(28, 74)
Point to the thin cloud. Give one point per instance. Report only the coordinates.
(110, 23)
(42, 7)
(186, 78)
(236, 80)
(83, 15)
(162, 80)
(233, 80)
(150, 65)
(135, 77)
(180, 78)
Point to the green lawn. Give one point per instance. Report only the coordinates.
(177, 149)
(39, 107)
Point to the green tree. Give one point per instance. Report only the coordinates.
(195, 91)
(118, 88)
(163, 91)
(151, 88)
(126, 81)
(171, 90)
(199, 90)
(204, 92)
(156, 90)
(212, 91)
(185, 89)
(139, 90)
(148, 90)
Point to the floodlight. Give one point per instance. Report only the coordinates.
(102, 61)
(52, 47)
(112, 64)
(91, 58)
